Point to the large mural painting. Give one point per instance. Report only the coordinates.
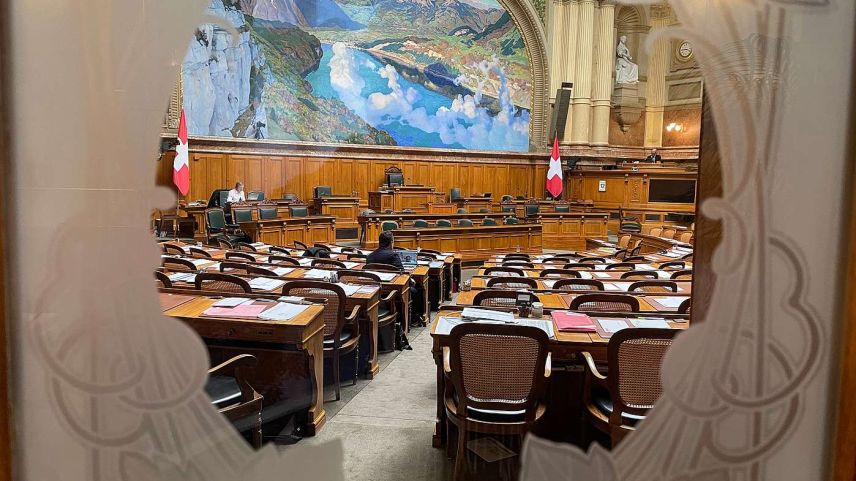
(425, 73)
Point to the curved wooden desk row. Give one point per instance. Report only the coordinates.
(280, 232)
(475, 244)
(650, 243)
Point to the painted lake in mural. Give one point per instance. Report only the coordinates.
(425, 73)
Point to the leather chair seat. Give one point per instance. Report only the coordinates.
(223, 391)
(490, 415)
(344, 337)
(601, 401)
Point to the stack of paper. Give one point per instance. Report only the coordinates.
(384, 276)
(232, 302)
(549, 283)
(200, 262)
(668, 301)
(183, 277)
(475, 313)
(567, 321)
(611, 326)
(246, 311)
(650, 322)
(585, 275)
(349, 289)
(351, 265)
(316, 274)
(281, 271)
(305, 262)
(283, 312)
(266, 284)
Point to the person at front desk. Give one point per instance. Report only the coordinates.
(237, 194)
(653, 158)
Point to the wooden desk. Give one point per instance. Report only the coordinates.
(473, 204)
(290, 371)
(281, 232)
(344, 209)
(653, 244)
(564, 413)
(197, 212)
(415, 198)
(371, 224)
(569, 230)
(615, 284)
(475, 244)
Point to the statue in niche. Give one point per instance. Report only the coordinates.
(626, 72)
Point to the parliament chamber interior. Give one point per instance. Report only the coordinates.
(433, 229)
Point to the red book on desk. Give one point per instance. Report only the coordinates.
(573, 321)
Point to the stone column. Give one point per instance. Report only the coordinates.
(658, 66)
(581, 125)
(602, 82)
(558, 45)
(570, 54)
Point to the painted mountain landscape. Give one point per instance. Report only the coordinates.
(424, 73)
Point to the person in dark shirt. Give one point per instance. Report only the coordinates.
(654, 157)
(385, 254)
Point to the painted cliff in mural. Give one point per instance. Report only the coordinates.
(425, 73)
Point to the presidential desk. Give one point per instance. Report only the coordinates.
(569, 230)
(290, 369)
(417, 198)
(475, 244)
(371, 225)
(345, 209)
(283, 232)
(196, 211)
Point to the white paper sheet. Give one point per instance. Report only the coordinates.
(384, 276)
(281, 271)
(282, 312)
(349, 289)
(602, 275)
(585, 275)
(316, 274)
(475, 313)
(231, 302)
(611, 326)
(351, 265)
(265, 283)
(608, 286)
(669, 301)
(656, 323)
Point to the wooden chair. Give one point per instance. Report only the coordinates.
(219, 282)
(300, 245)
(512, 283)
(323, 246)
(497, 375)
(688, 257)
(387, 309)
(505, 270)
(501, 298)
(624, 240)
(592, 260)
(284, 260)
(244, 247)
(341, 332)
(686, 237)
(653, 286)
(235, 398)
(240, 255)
(668, 232)
(621, 266)
(640, 275)
(197, 252)
(178, 264)
(327, 263)
(224, 244)
(579, 266)
(603, 302)
(569, 273)
(163, 279)
(357, 255)
(279, 250)
(677, 265)
(655, 231)
(518, 263)
(682, 274)
(634, 259)
(173, 249)
(249, 269)
(617, 402)
(578, 285)
(347, 249)
(686, 306)
(381, 267)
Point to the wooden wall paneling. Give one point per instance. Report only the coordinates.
(293, 177)
(236, 170)
(539, 182)
(253, 173)
(342, 173)
(272, 177)
(423, 171)
(362, 174)
(464, 179)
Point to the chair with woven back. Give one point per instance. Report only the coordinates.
(668, 232)
(241, 256)
(682, 275)
(594, 260)
(558, 261)
(162, 279)
(300, 245)
(686, 236)
(279, 250)
(327, 263)
(197, 252)
(687, 257)
(640, 275)
(580, 266)
(685, 306)
(517, 255)
(224, 244)
(518, 263)
(569, 273)
(653, 286)
(249, 269)
(617, 402)
(341, 332)
(604, 302)
(620, 266)
(245, 247)
(178, 264)
(234, 397)
(387, 311)
(501, 297)
(655, 231)
(497, 377)
(283, 260)
(578, 285)
(168, 248)
(674, 265)
(512, 282)
(505, 271)
(624, 240)
(219, 282)
(357, 256)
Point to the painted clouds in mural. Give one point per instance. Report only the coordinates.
(427, 73)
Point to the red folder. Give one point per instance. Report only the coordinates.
(573, 321)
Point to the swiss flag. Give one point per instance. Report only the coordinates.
(554, 173)
(180, 166)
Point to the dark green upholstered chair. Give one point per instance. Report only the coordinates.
(299, 211)
(531, 209)
(509, 208)
(563, 208)
(465, 223)
(242, 215)
(444, 223)
(268, 213)
(506, 198)
(323, 191)
(224, 196)
(389, 225)
(290, 197)
(488, 222)
(462, 211)
(511, 221)
(484, 210)
(420, 223)
(454, 194)
(256, 195)
(394, 178)
(217, 228)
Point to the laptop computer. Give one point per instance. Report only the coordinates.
(408, 258)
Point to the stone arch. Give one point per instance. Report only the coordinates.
(527, 21)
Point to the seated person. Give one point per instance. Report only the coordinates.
(385, 254)
(237, 194)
